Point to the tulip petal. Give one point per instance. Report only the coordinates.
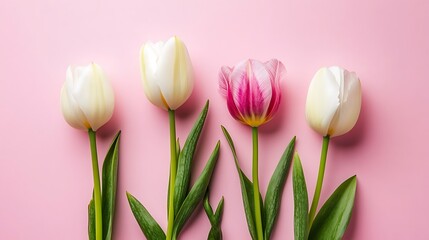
(322, 100)
(224, 80)
(149, 64)
(240, 89)
(277, 72)
(71, 112)
(183, 75)
(226, 91)
(260, 90)
(175, 76)
(69, 106)
(348, 113)
(93, 94)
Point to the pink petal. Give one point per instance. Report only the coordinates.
(277, 74)
(226, 91)
(232, 108)
(224, 80)
(240, 88)
(260, 89)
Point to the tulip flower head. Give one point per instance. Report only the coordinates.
(252, 90)
(167, 73)
(87, 98)
(333, 101)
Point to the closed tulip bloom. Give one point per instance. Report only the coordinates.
(167, 73)
(252, 90)
(333, 101)
(87, 98)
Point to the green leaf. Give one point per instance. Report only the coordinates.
(177, 148)
(275, 188)
(333, 218)
(215, 218)
(197, 193)
(249, 192)
(208, 209)
(300, 197)
(183, 175)
(109, 186)
(91, 220)
(219, 211)
(246, 189)
(148, 225)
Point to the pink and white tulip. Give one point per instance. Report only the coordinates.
(252, 90)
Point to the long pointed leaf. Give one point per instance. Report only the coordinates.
(275, 188)
(208, 209)
(197, 193)
(91, 220)
(183, 175)
(300, 197)
(219, 210)
(246, 189)
(109, 186)
(249, 192)
(147, 223)
(215, 218)
(216, 229)
(333, 218)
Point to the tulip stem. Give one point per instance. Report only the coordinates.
(173, 167)
(97, 188)
(255, 178)
(320, 176)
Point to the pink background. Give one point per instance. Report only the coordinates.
(45, 169)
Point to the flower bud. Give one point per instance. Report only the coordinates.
(252, 90)
(333, 101)
(167, 73)
(87, 98)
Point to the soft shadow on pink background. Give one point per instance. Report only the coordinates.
(45, 169)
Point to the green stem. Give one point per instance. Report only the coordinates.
(255, 178)
(320, 176)
(173, 168)
(97, 188)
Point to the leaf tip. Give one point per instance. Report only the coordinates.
(353, 179)
(129, 196)
(221, 202)
(117, 138)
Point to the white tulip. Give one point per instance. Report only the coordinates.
(87, 98)
(167, 73)
(333, 101)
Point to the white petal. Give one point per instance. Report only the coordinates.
(322, 100)
(94, 94)
(350, 105)
(71, 112)
(149, 54)
(174, 73)
(165, 70)
(338, 73)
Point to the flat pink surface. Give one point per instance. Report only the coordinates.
(45, 169)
